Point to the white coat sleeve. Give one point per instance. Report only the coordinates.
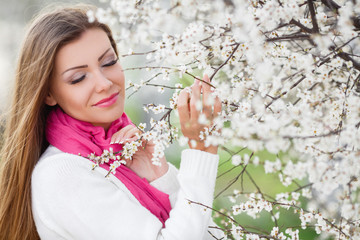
(72, 202)
(169, 184)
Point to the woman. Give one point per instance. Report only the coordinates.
(69, 103)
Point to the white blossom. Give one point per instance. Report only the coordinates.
(289, 86)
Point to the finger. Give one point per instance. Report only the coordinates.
(130, 139)
(148, 143)
(118, 136)
(208, 99)
(217, 106)
(114, 138)
(206, 83)
(194, 100)
(130, 134)
(183, 106)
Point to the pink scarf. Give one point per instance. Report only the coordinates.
(74, 136)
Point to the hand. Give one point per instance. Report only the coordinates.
(141, 161)
(189, 114)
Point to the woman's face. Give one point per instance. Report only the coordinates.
(88, 81)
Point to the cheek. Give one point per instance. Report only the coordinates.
(117, 77)
(74, 97)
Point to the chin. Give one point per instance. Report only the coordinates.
(112, 115)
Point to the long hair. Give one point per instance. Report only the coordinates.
(24, 138)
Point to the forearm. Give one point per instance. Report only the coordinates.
(196, 179)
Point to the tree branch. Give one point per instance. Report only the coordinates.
(333, 6)
(285, 92)
(347, 57)
(313, 16)
(224, 63)
(301, 26)
(291, 37)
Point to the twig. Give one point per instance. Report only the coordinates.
(347, 57)
(232, 182)
(290, 37)
(301, 26)
(302, 187)
(136, 54)
(233, 220)
(226, 61)
(285, 92)
(159, 85)
(199, 79)
(314, 136)
(331, 5)
(313, 16)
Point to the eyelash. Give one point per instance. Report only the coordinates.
(105, 65)
(78, 79)
(111, 63)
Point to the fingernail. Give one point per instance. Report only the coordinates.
(111, 142)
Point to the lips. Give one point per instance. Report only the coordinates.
(106, 102)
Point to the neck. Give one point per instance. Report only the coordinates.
(105, 126)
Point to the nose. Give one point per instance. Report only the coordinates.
(102, 83)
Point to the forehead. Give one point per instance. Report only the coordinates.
(91, 44)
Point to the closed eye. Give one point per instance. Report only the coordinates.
(78, 79)
(110, 63)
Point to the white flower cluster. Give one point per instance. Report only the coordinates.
(130, 148)
(253, 207)
(106, 157)
(155, 109)
(161, 134)
(288, 75)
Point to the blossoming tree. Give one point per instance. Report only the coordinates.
(288, 75)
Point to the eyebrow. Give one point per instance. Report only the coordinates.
(84, 66)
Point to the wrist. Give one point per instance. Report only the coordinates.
(159, 171)
(193, 144)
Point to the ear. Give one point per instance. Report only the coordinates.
(50, 100)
